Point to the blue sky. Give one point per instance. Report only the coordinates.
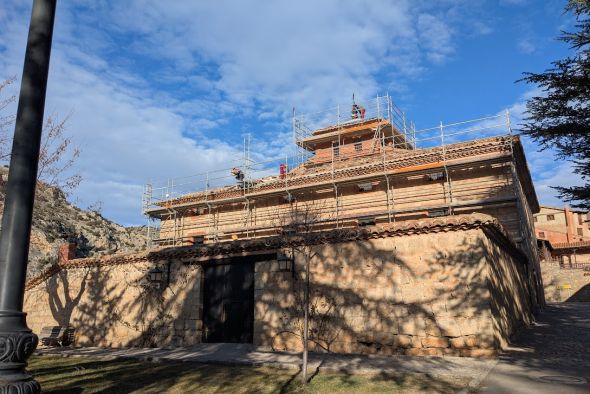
(160, 89)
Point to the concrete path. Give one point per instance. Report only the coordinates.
(464, 371)
(551, 357)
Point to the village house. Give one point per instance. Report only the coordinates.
(567, 232)
(563, 237)
(418, 242)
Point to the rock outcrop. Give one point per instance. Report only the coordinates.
(56, 221)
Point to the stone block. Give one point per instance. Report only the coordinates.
(432, 329)
(468, 326)
(435, 342)
(458, 343)
(414, 326)
(480, 342)
(448, 326)
(403, 341)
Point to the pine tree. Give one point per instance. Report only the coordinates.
(560, 117)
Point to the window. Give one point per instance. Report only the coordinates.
(541, 234)
(580, 219)
(358, 146)
(335, 149)
(535, 219)
(580, 232)
(550, 217)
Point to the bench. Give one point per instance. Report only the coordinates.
(56, 336)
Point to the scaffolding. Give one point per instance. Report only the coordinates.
(381, 110)
(203, 193)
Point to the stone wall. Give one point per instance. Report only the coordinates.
(115, 305)
(439, 286)
(419, 295)
(565, 285)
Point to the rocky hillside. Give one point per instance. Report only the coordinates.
(56, 221)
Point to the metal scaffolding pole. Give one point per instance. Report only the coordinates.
(18, 340)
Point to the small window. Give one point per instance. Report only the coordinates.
(535, 219)
(580, 232)
(580, 219)
(336, 150)
(550, 217)
(358, 146)
(541, 234)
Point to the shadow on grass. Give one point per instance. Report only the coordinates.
(83, 375)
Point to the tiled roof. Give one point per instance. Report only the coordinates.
(409, 227)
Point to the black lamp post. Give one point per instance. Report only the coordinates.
(17, 342)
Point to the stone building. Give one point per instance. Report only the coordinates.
(418, 242)
(562, 225)
(564, 234)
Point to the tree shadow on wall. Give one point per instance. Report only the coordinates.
(62, 300)
(98, 313)
(387, 304)
(157, 315)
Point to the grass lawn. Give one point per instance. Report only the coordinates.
(92, 375)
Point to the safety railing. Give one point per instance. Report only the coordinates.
(358, 111)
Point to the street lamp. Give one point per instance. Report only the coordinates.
(285, 262)
(155, 275)
(17, 342)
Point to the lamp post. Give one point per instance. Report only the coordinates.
(17, 342)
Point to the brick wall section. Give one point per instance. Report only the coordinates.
(421, 288)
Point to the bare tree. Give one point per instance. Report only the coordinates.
(303, 218)
(6, 121)
(57, 154)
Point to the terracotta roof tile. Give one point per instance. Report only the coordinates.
(571, 245)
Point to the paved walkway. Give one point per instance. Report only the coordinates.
(551, 357)
(460, 370)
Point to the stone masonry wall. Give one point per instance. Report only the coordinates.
(565, 285)
(438, 286)
(511, 298)
(427, 294)
(115, 306)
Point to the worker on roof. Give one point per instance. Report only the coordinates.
(358, 111)
(237, 173)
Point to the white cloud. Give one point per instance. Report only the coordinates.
(435, 37)
(284, 53)
(227, 59)
(560, 174)
(526, 45)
